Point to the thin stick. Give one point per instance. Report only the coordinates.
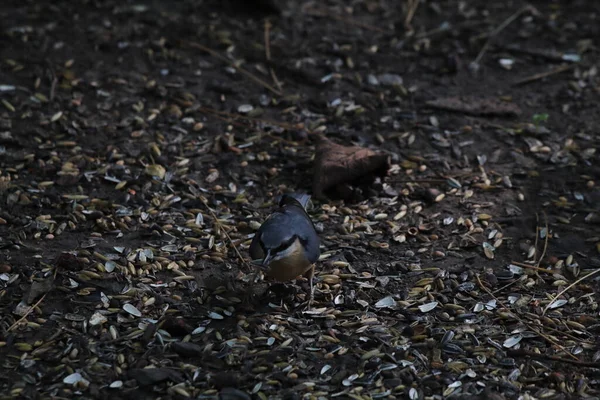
(316, 13)
(542, 75)
(412, 9)
(266, 121)
(499, 29)
(505, 286)
(53, 88)
(237, 68)
(225, 232)
(216, 114)
(228, 120)
(29, 311)
(569, 287)
(561, 332)
(537, 235)
(545, 242)
(268, 53)
(520, 264)
(418, 180)
(53, 80)
(521, 320)
(523, 352)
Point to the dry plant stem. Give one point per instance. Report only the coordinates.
(545, 242)
(537, 235)
(542, 75)
(521, 320)
(268, 53)
(311, 277)
(53, 88)
(217, 114)
(29, 311)
(239, 69)
(418, 180)
(520, 264)
(53, 80)
(280, 139)
(229, 120)
(349, 21)
(505, 286)
(569, 287)
(499, 29)
(237, 252)
(562, 333)
(523, 352)
(412, 9)
(266, 121)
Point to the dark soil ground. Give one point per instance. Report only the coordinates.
(141, 143)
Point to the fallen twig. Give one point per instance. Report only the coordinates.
(268, 53)
(29, 311)
(537, 235)
(562, 333)
(542, 75)
(237, 68)
(569, 287)
(548, 338)
(519, 264)
(509, 284)
(418, 180)
(537, 264)
(220, 226)
(412, 9)
(283, 125)
(349, 21)
(547, 54)
(529, 353)
(499, 29)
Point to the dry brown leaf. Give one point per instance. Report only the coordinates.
(338, 166)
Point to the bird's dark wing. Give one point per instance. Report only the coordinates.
(255, 250)
(305, 230)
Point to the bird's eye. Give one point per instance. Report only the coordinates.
(286, 244)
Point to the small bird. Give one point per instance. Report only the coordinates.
(287, 245)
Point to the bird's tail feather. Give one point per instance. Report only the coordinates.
(303, 198)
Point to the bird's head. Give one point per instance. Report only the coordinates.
(277, 245)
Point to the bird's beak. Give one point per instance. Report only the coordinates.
(267, 259)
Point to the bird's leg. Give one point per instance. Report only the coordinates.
(310, 275)
(259, 264)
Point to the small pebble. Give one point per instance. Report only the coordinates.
(188, 120)
(245, 108)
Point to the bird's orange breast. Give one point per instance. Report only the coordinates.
(290, 267)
